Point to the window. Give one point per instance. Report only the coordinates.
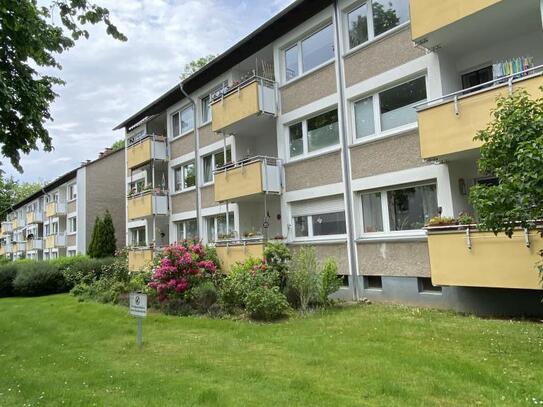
(72, 225)
(373, 282)
(54, 228)
(72, 192)
(187, 230)
(46, 230)
(314, 134)
(389, 109)
(216, 227)
(477, 77)
(310, 52)
(213, 161)
(375, 17)
(426, 286)
(137, 236)
(183, 121)
(399, 209)
(71, 253)
(325, 224)
(206, 102)
(184, 177)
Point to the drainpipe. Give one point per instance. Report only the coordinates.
(196, 161)
(348, 191)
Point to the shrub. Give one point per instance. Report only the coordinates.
(304, 277)
(7, 275)
(39, 278)
(85, 270)
(203, 296)
(330, 281)
(266, 303)
(278, 258)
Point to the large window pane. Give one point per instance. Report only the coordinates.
(206, 110)
(175, 124)
(396, 104)
(221, 226)
(178, 178)
(208, 168)
(363, 112)
(191, 230)
(187, 119)
(210, 225)
(300, 226)
(296, 139)
(388, 14)
(358, 25)
(322, 131)
(411, 208)
(329, 224)
(372, 213)
(291, 62)
(318, 48)
(219, 158)
(189, 177)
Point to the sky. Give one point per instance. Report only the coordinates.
(108, 80)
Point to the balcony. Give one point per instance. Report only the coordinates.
(246, 178)
(471, 258)
(34, 244)
(448, 125)
(147, 204)
(34, 217)
(55, 209)
(7, 228)
(55, 241)
(142, 150)
(230, 253)
(249, 99)
(8, 248)
(139, 259)
(18, 224)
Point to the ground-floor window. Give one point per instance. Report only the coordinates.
(137, 236)
(187, 230)
(426, 286)
(71, 253)
(324, 224)
(373, 282)
(216, 227)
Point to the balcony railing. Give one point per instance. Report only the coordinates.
(464, 256)
(252, 97)
(145, 148)
(55, 241)
(147, 203)
(140, 259)
(19, 223)
(448, 124)
(34, 244)
(55, 209)
(34, 217)
(232, 252)
(248, 177)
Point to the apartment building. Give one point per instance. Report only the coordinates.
(58, 220)
(345, 125)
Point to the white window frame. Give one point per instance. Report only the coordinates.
(138, 230)
(72, 192)
(306, 153)
(204, 183)
(215, 219)
(298, 44)
(71, 219)
(310, 236)
(179, 112)
(213, 90)
(181, 167)
(371, 29)
(182, 223)
(385, 214)
(376, 104)
(54, 229)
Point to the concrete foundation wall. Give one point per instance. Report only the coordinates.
(394, 259)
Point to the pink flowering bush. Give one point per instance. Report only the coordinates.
(180, 268)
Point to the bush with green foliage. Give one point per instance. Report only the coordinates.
(84, 269)
(203, 296)
(39, 278)
(278, 258)
(103, 242)
(304, 277)
(8, 273)
(266, 303)
(330, 281)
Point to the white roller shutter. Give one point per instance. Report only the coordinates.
(317, 206)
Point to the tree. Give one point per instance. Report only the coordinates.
(29, 39)
(118, 145)
(512, 151)
(12, 192)
(103, 242)
(196, 65)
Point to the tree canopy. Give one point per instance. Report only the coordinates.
(29, 39)
(196, 65)
(12, 192)
(512, 151)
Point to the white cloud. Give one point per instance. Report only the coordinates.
(108, 80)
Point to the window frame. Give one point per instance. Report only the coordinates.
(310, 233)
(298, 44)
(72, 192)
(138, 230)
(182, 223)
(215, 218)
(179, 113)
(72, 231)
(181, 167)
(378, 133)
(213, 161)
(371, 26)
(222, 85)
(305, 143)
(387, 232)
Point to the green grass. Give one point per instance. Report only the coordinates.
(54, 351)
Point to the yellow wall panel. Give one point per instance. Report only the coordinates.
(138, 260)
(235, 107)
(139, 153)
(238, 253)
(238, 182)
(140, 206)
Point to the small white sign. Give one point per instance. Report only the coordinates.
(138, 304)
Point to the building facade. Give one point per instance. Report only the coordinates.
(345, 125)
(58, 220)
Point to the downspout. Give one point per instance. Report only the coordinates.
(348, 191)
(196, 161)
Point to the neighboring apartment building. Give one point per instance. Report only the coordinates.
(58, 220)
(333, 125)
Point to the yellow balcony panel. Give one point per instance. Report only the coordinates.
(145, 150)
(34, 244)
(34, 217)
(249, 99)
(431, 16)
(238, 252)
(244, 179)
(140, 260)
(18, 223)
(7, 228)
(55, 209)
(55, 241)
(443, 132)
(147, 204)
(493, 261)
(2, 251)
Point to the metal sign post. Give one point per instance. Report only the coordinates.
(138, 308)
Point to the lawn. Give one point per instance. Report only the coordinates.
(55, 350)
